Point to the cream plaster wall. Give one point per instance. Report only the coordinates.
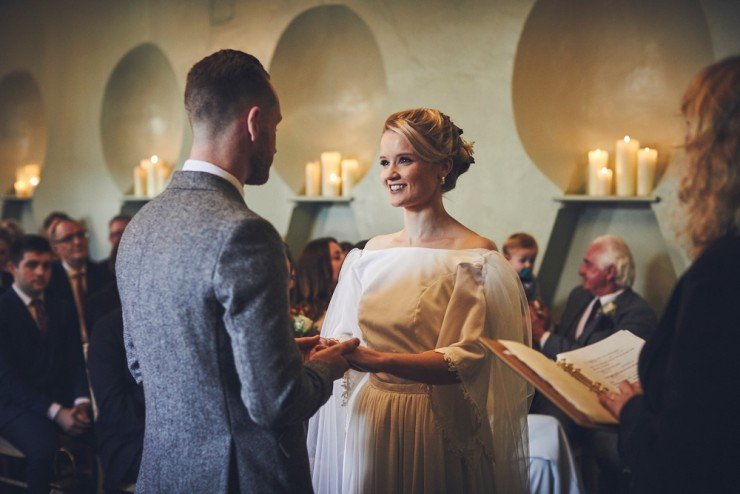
(457, 56)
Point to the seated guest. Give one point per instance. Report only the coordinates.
(116, 226)
(681, 433)
(75, 276)
(317, 275)
(50, 221)
(604, 304)
(521, 250)
(6, 279)
(42, 373)
(119, 429)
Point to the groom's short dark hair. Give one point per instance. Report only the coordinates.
(223, 84)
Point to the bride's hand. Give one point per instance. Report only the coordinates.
(364, 359)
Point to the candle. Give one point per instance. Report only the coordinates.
(163, 171)
(625, 164)
(313, 179)
(646, 160)
(329, 166)
(139, 181)
(603, 182)
(334, 185)
(150, 166)
(28, 177)
(349, 176)
(22, 188)
(597, 159)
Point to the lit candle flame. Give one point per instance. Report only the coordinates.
(154, 158)
(34, 181)
(626, 138)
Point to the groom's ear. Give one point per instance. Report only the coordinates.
(253, 118)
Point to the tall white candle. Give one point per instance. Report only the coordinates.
(597, 159)
(139, 181)
(349, 176)
(646, 162)
(149, 165)
(625, 164)
(313, 179)
(329, 165)
(334, 185)
(603, 182)
(22, 188)
(163, 171)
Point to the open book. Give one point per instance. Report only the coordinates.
(574, 380)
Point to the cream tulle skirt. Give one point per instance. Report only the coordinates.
(395, 446)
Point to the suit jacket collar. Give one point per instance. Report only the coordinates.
(601, 318)
(27, 320)
(185, 180)
(206, 167)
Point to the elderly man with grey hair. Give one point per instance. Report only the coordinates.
(602, 305)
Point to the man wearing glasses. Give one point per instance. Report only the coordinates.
(75, 277)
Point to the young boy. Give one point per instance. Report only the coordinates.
(521, 250)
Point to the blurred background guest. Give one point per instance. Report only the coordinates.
(119, 428)
(346, 247)
(50, 221)
(116, 226)
(6, 240)
(682, 434)
(75, 276)
(317, 274)
(521, 250)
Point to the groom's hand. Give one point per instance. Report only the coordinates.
(333, 356)
(307, 346)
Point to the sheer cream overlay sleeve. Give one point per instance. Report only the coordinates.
(487, 301)
(324, 427)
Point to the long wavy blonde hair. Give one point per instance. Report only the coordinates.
(710, 187)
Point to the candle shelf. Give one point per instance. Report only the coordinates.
(587, 199)
(131, 204)
(13, 206)
(321, 199)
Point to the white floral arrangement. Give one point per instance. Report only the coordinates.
(302, 325)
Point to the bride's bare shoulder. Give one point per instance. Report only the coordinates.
(468, 239)
(382, 241)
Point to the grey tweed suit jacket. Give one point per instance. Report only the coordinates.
(203, 288)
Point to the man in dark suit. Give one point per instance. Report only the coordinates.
(204, 291)
(119, 429)
(6, 240)
(75, 277)
(604, 304)
(42, 373)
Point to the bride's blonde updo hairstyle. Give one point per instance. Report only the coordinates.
(434, 139)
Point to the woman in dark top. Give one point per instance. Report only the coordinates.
(683, 433)
(317, 274)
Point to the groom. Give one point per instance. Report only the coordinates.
(203, 285)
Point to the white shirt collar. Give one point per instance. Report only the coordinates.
(23, 296)
(72, 271)
(610, 297)
(206, 167)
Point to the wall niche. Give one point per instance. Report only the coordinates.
(22, 126)
(588, 73)
(327, 69)
(142, 113)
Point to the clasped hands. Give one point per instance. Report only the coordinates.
(74, 421)
(339, 356)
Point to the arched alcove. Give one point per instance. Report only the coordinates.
(142, 113)
(22, 126)
(329, 73)
(587, 73)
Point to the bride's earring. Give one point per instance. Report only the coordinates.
(444, 179)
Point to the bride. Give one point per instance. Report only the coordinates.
(427, 408)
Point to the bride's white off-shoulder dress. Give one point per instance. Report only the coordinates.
(382, 434)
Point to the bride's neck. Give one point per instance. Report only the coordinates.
(427, 224)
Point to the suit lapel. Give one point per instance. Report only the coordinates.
(27, 322)
(595, 323)
(571, 319)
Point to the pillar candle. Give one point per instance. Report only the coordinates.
(163, 173)
(313, 179)
(597, 159)
(625, 164)
(349, 176)
(139, 181)
(646, 162)
(22, 188)
(333, 185)
(603, 182)
(151, 180)
(329, 165)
